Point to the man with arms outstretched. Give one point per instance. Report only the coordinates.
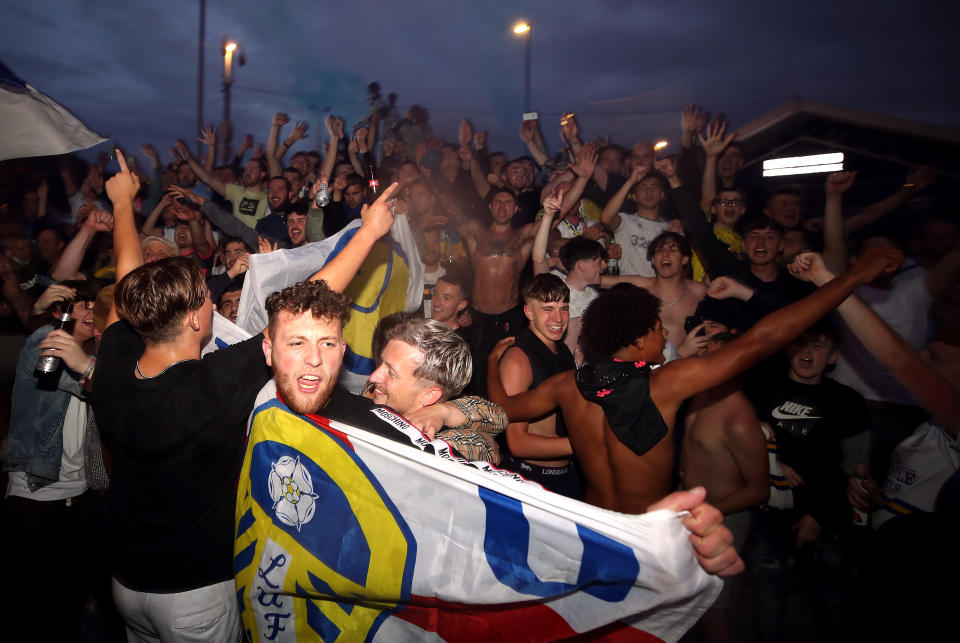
(618, 411)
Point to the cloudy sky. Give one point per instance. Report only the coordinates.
(129, 70)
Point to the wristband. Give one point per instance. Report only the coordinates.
(88, 373)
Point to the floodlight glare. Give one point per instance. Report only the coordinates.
(230, 46)
(660, 145)
(521, 28)
(811, 164)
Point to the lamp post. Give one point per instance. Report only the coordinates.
(522, 28)
(229, 47)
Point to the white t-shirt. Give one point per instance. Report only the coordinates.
(72, 481)
(906, 309)
(580, 299)
(634, 234)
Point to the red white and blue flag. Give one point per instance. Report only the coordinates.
(345, 535)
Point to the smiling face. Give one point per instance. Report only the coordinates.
(229, 304)
(232, 251)
(810, 356)
(548, 320)
(394, 382)
(762, 246)
(297, 228)
(592, 269)
(305, 354)
(83, 328)
(277, 194)
(446, 303)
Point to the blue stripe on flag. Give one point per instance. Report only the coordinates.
(506, 544)
(322, 587)
(246, 521)
(244, 558)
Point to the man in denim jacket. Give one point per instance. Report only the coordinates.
(45, 509)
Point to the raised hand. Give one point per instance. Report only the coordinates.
(246, 144)
(527, 131)
(340, 183)
(378, 217)
(569, 130)
(808, 266)
(265, 245)
(240, 266)
(692, 119)
(666, 168)
(257, 151)
(183, 193)
(715, 141)
(299, 131)
(639, 171)
(52, 295)
(465, 132)
(839, 182)
(208, 135)
(182, 151)
(280, 119)
(551, 205)
(99, 220)
(727, 287)
(586, 161)
(480, 139)
(353, 147)
(124, 185)
(149, 151)
(360, 137)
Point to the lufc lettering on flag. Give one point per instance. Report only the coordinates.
(345, 535)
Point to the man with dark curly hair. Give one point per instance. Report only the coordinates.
(618, 409)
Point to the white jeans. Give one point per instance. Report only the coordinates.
(207, 614)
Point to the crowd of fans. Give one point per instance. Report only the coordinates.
(605, 321)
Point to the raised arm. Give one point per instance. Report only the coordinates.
(538, 253)
(215, 184)
(209, 138)
(298, 133)
(528, 132)
(376, 222)
(586, 161)
(935, 394)
(713, 146)
(834, 244)
(273, 165)
(917, 179)
(335, 129)
(610, 217)
(69, 262)
(680, 379)
(122, 189)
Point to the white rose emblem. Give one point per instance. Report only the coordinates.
(291, 490)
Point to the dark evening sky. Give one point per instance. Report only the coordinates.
(129, 70)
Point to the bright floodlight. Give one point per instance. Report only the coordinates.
(230, 46)
(660, 145)
(521, 27)
(811, 164)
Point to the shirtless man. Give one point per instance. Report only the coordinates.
(669, 253)
(498, 254)
(724, 451)
(618, 411)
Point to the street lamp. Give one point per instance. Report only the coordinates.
(229, 47)
(523, 29)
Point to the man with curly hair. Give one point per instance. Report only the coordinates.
(618, 409)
